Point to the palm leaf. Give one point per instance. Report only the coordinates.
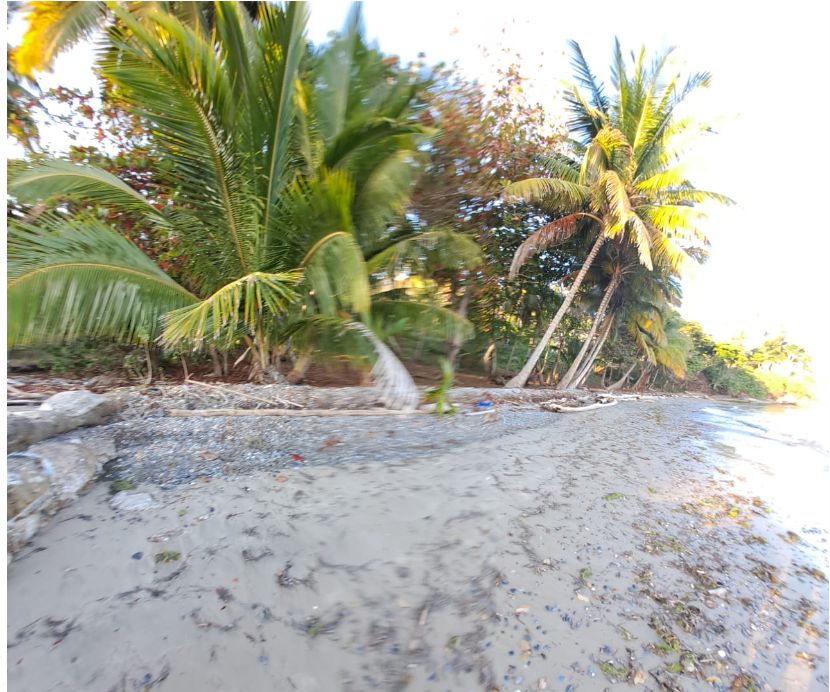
(427, 251)
(248, 303)
(587, 79)
(283, 46)
(548, 235)
(76, 278)
(555, 191)
(176, 81)
(422, 319)
(336, 273)
(55, 27)
(56, 178)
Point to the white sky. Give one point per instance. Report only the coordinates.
(769, 99)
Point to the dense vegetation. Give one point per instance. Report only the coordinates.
(264, 203)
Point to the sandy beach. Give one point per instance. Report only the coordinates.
(585, 552)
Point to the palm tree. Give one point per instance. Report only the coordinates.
(647, 319)
(626, 186)
(284, 174)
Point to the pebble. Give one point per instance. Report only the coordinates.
(137, 556)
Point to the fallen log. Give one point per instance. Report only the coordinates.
(559, 408)
(217, 412)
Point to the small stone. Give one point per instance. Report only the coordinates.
(129, 501)
(137, 556)
(542, 684)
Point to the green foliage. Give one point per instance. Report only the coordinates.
(276, 156)
(439, 395)
(735, 380)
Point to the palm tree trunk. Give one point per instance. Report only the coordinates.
(589, 362)
(641, 381)
(620, 382)
(454, 345)
(218, 371)
(569, 378)
(489, 359)
(520, 380)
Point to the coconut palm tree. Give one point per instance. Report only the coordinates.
(621, 180)
(286, 173)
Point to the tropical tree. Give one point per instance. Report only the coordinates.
(287, 167)
(620, 178)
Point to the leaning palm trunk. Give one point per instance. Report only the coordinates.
(396, 387)
(569, 377)
(520, 380)
(591, 359)
(640, 385)
(620, 382)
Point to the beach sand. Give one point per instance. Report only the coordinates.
(600, 550)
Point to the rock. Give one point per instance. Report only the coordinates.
(73, 467)
(131, 501)
(18, 432)
(27, 480)
(59, 413)
(19, 531)
(81, 407)
(102, 448)
(50, 475)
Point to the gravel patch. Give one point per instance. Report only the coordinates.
(156, 448)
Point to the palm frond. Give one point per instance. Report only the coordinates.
(585, 120)
(428, 251)
(248, 303)
(336, 274)
(556, 191)
(548, 235)
(384, 194)
(56, 178)
(174, 78)
(422, 319)
(283, 46)
(693, 195)
(55, 27)
(587, 79)
(674, 176)
(335, 72)
(79, 278)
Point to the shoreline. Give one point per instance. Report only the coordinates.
(574, 552)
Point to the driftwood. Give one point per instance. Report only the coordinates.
(215, 412)
(233, 392)
(576, 404)
(558, 408)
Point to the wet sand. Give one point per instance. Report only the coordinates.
(601, 550)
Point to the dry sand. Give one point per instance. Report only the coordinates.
(602, 546)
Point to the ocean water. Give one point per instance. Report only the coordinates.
(782, 455)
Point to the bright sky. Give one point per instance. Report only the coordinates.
(768, 255)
